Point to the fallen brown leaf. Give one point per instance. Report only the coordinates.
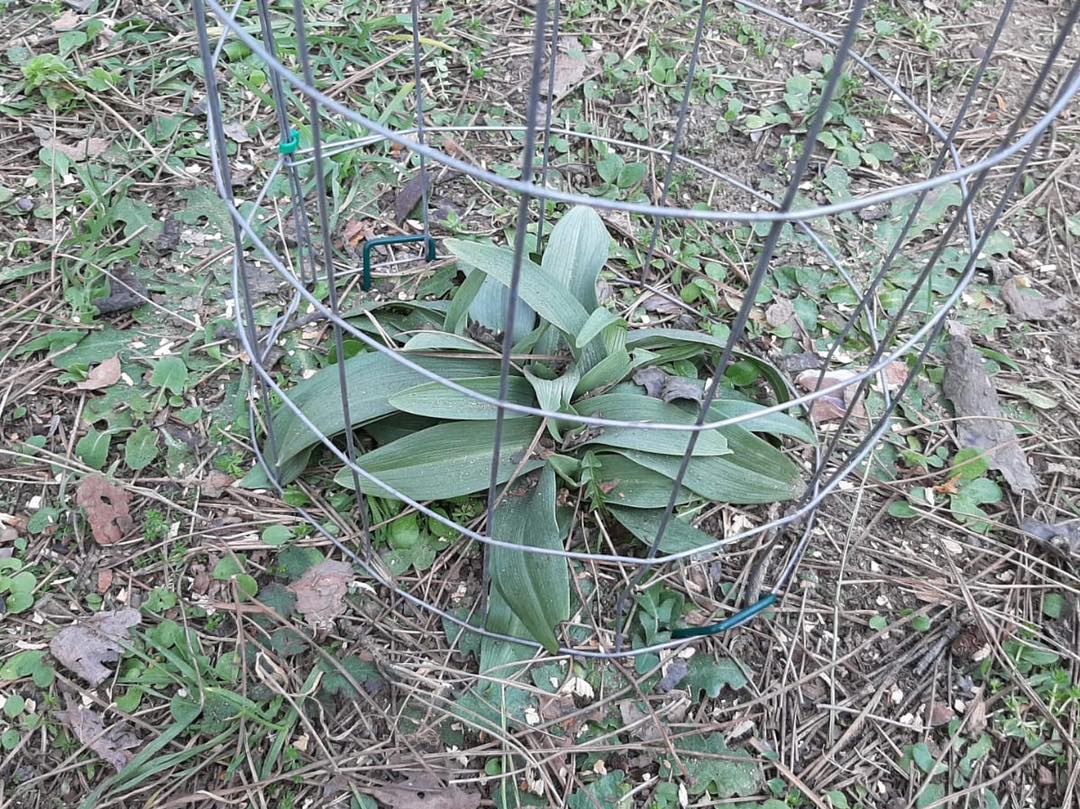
(104, 580)
(86, 647)
(976, 711)
(570, 70)
(236, 131)
(215, 484)
(1030, 307)
(661, 385)
(102, 376)
(831, 407)
(779, 313)
(410, 196)
(68, 21)
(423, 791)
(108, 509)
(113, 744)
(662, 305)
(981, 423)
(357, 231)
(320, 592)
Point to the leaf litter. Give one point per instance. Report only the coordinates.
(114, 744)
(320, 592)
(981, 424)
(103, 375)
(84, 648)
(1030, 307)
(108, 509)
(424, 791)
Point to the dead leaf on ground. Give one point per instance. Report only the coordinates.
(661, 385)
(981, 423)
(108, 509)
(410, 196)
(780, 313)
(570, 70)
(1062, 537)
(556, 707)
(320, 592)
(259, 281)
(103, 375)
(832, 406)
(236, 131)
(215, 484)
(113, 744)
(662, 305)
(976, 711)
(125, 292)
(86, 647)
(423, 791)
(104, 580)
(68, 21)
(1030, 307)
(357, 231)
(85, 149)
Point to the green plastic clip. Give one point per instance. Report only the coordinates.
(371, 244)
(291, 145)
(735, 620)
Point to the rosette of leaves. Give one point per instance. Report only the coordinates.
(570, 355)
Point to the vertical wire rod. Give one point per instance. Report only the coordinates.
(419, 94)
(277, 93)
(676, 143)
(223, 178)
(328, 264)
(553, 57)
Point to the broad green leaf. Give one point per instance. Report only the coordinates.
(536, 587)
(599, 320)
(754, 472)
(438, 401)
(141, 448)
(644, 523)
(631, 485)
(537, 287)
(456, 315)
(711, 675)
(93, 448)
(728, 407)
(489, 309)
(606, 791)
(397, 425)
(170, 373)
(631, 407)
(443, 341)
(611, 370)
(447, 460)
(554, 394)
(725, 774)
(371, 379)
(576, 252)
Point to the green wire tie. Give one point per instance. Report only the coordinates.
(291, 145)
(371, 244)
(735, 620)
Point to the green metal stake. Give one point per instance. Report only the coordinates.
(735, 620)
(371, 244)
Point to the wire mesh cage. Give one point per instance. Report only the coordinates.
(546, 399)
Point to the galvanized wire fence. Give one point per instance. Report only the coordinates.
(324, 282)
